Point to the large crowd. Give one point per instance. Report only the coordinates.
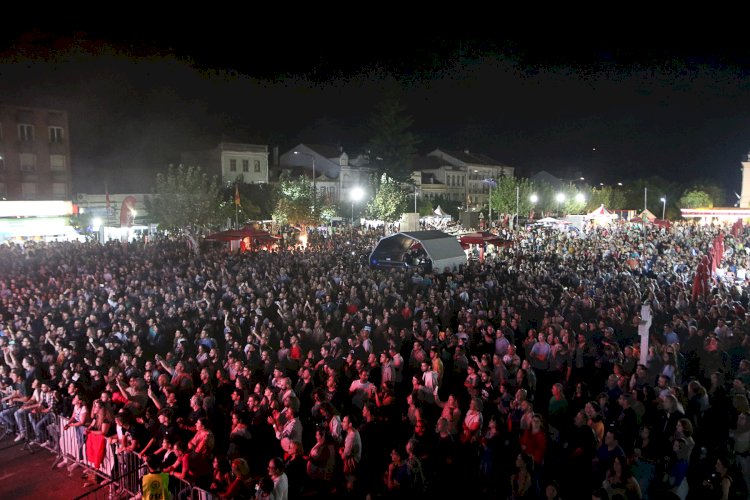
(301, 372)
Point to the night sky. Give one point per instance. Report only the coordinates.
(612, 110)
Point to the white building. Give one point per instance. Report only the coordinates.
(334, 173)
(232, 162)
(458, 176)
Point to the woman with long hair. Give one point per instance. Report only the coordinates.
(241, 485)
(521, 481)
(620, 480)
(533, 441)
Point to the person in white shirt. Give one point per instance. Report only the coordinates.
(362, 390)
(280, 480)
(351, 453)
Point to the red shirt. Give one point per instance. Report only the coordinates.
(535, 444)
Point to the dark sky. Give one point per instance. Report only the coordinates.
(613, 109)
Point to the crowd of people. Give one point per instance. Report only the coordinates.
(302, 372)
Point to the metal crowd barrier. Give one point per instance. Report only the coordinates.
(119, 474)
(201, 494)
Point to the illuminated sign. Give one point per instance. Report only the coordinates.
(50, 208)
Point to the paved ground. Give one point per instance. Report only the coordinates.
(31, 475)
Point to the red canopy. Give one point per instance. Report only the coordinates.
(481, 238)
(256, 236)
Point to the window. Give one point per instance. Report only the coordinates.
(245, 165)
(28, 162)
(256, 164)
(3, 192)
(56, 135)
(28, 190)
(232, 165)
(25, 132)
(57, 162)
(2, 162)
(59, 190)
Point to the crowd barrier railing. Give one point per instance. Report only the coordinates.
(119, 474)
(201, 494)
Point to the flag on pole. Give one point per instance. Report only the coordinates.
(237, 194)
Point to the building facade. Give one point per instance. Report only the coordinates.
(334, 173)
(233, 162)
(34, 154)
(459, 176)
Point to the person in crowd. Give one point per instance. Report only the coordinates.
(150, 325)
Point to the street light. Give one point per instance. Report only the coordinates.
(356, 195)
(663, 206)
(315, 189)
(560, 198)
(533, 198)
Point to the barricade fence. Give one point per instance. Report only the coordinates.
(119, 474)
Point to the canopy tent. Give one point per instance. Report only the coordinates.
(255, 236)
(601, 215)
(647, 214)
(439, 212)
(658, 222)
(444, 250)
(481, 238)
(550, 222)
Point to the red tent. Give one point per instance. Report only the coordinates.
(662, 222)
(256, 236)
(482, 238)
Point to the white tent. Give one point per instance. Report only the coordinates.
(601, 215)
(439, 212)
(549, 220)
(443, 249)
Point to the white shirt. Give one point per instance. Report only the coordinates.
(280, 488)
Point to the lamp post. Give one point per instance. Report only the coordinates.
(533, 199)
(663, 200)
(356, 195)
(315, 189)
(560, 198)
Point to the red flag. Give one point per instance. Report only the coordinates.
(106, 190)
(237, 194)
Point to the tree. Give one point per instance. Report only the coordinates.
(295, 203)
(392, 145)
(425, 207)
(510, 193)
(186, 200)
(609, 196)
(246, 210)
(389, 202)
(696, 199)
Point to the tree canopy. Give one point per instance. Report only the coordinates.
(696, 199)
(389, 202)
(296, 203)
(391, 143)
(185, 200)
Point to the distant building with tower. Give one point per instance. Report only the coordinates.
(726, 214)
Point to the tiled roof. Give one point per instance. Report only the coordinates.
(469, 157)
